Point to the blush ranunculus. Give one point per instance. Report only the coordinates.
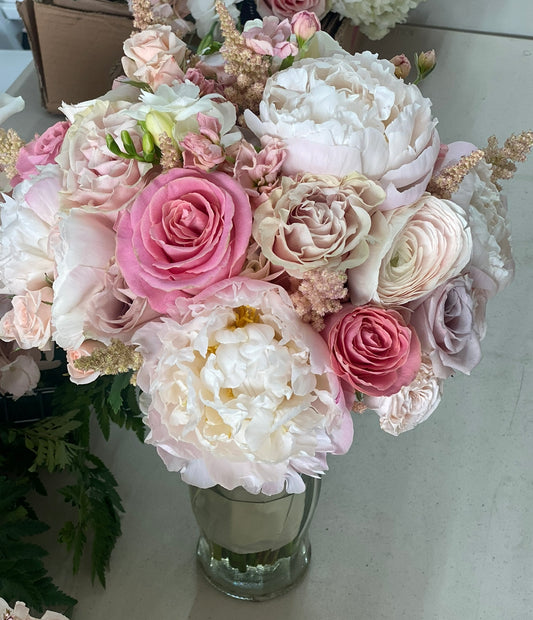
(186, 230)
(39, 152)
(373, 349)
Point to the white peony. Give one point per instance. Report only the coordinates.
(347, 114)
(242, 392)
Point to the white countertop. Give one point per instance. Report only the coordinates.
(435, 524)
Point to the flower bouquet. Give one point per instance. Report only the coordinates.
(265, 236)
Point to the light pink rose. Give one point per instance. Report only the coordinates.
(94, 178)
(154, 56)
(19, 372)
(40, 151)
(242, 392)
(271, 38)
(82, 377)
(450, 328)
(304, 25)
(412, 404)
(185, 231)
(288, 8)
(428, 243)
(372, 349)
(318, 222)
(29, 322)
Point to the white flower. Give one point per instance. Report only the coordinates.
(27, 222)
(410, 406)
(374, 17)
(204, 14)
(242, 392)
(347, 114)
(21, 612)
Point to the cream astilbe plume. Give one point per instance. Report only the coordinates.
(447, 182)
(111, 360)
(142, 14)
(515, 149)
(10, 145)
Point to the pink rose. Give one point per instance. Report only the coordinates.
(39, 152)
(29, 322)
(304, 25)
(373, 349)
(81, 377)
(288, 8)
(271, 38)
(186, 230)
(154, 56)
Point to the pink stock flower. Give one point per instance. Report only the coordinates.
(82, 377)
(372, 349)
(288, 8)
(203, 150)
(185, 231)
(154, 56)
(271, 38)
(40, 151)
(29, 322)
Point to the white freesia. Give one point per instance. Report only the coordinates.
(10, 105)
(242, 393)
(175, 108)
(374, 17)
(347, 114)
(27, 221)
(204, 13)
(410, 406)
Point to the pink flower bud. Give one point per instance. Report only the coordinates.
(304, 25)
(402, 66)
(426, 62)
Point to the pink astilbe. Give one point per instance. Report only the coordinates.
(319, 293)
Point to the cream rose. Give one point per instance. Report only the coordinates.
(29, 322)
(428, 243)
(347, 114)
(319, 222)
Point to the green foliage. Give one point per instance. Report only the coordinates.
(22, 573)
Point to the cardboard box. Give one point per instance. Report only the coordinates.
(77, 51)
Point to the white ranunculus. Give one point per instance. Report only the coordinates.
(374, 17)
(27, 221)
(347, 114)
(242, 392)
(412, 405)
(428, 243)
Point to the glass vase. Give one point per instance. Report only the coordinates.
(254, 547)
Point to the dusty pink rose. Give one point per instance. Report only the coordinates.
(186, 230)
(40, 151)
(203, 150)
(402, 66)
(449, 328)
(288, 8)
(373, 349)
(94, 178)
(207, 85)
(271, 38)
(29, 322)
(154, 56)
(82, 377)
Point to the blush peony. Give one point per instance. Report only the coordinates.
(188, 229)
(347, 114)
(242, 393)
